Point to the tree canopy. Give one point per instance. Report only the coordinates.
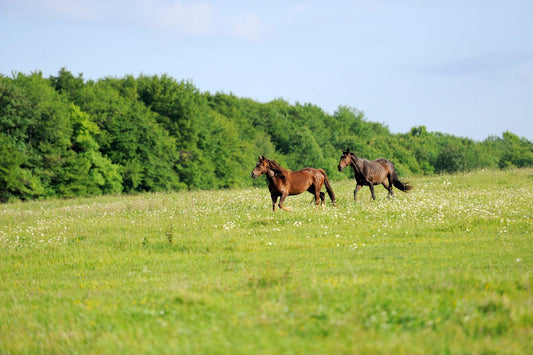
(65, 136)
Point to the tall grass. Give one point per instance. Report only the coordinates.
(446, 268)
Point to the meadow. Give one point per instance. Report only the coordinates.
(445, 269)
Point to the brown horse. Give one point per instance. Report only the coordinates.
(284, 182)
(370, 173)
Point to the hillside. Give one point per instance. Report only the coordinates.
(445, 268)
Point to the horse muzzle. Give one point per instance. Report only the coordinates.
(339, 167)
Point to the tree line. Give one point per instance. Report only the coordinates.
(64, 136)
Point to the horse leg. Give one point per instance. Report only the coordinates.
(316, 193)
(371, 185)
(357, 188)
(274, 200)
(391, 192)
(323, 198)
(281, 200)
(319, 198)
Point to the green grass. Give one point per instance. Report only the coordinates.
(446, 268)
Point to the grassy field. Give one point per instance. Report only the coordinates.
(447, 268)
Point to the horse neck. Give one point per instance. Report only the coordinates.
(357, 164)
(270, 174)
(275, 176)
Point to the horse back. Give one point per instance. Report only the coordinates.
(301, 180)
(375, 171)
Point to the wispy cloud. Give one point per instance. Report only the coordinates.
(68, 10)
(183, 18)
(196, 18)
(71, 9)
(249, 27)
(495, 65)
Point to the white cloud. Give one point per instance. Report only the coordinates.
(249, 28)
(182, 18)
(71, 9)
(189, 18)
(50, 9)
(495, 65)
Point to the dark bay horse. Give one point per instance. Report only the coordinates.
(370, 173)
(284, 182)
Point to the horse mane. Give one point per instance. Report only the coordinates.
(354, 158)
(277, 169)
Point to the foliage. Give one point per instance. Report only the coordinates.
(67, 136)
(517, 152)
(14, 180)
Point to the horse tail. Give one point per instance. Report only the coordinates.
(328, 186)
(403, 186)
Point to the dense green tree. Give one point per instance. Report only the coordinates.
(67, 84)
(234, 131)
(88, 172)
(132, 138)
(15, 181)
(279, 125)
(65, 136)
(15, 111)
(242, 112)
(16, 116)
(424, 148)
(230, 158)
(353, 131)
(47, 136)
(181, 110)
(305, 151)
(516, 151)
(452, 157)
(179, 106)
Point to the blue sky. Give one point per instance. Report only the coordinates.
(463, 67)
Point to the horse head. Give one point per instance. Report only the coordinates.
(345, 160)
(260, 168)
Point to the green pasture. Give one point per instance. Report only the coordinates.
(447, 268)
